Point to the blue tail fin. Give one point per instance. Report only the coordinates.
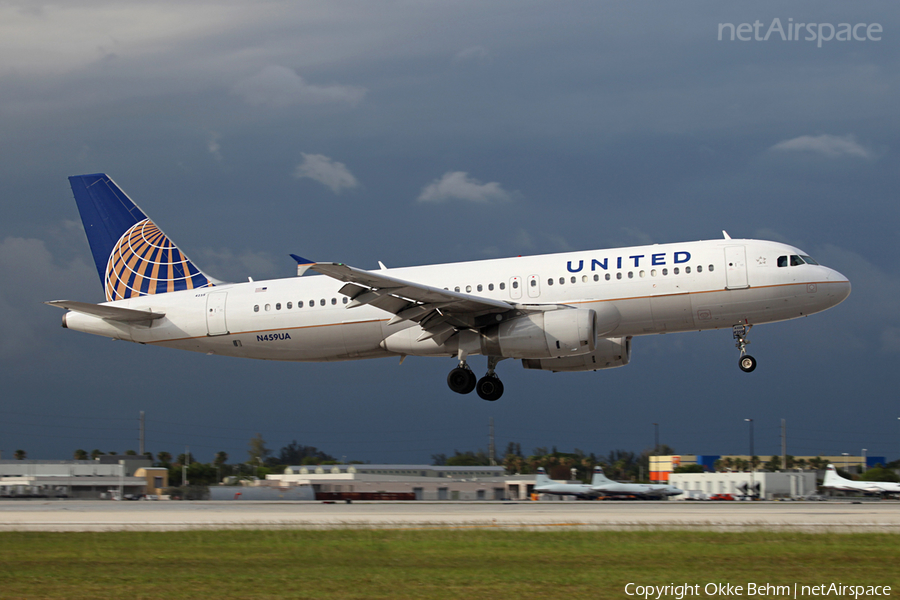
(133, 257)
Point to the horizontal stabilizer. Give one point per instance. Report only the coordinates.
(112, 313)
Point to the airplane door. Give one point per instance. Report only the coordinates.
(215, 313)
(515, 288)
(735, 268)
(534, 286)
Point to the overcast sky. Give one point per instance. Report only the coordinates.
(416, 132)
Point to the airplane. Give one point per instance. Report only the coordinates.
(836, 482)
(604, 486)
(566, 312)
(544, 485)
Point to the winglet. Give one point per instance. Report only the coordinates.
(303, 264)
(725, 233)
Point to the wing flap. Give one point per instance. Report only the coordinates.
(440, 312)
(110, 313)
(416, 292)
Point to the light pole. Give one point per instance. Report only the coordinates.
(656, 439)
(752, 482)
(846, 460)
(751, 442)
(865, 467)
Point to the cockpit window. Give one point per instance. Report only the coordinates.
(796, 261)
(808, 260)
(782, 261)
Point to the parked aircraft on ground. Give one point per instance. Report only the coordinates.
(607, 487)
(836, 482)
(575, 311)
(544, 485)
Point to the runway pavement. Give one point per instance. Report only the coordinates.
(73, 515)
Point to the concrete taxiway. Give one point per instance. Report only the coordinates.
(69, 515)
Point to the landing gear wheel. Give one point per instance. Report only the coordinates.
(461, 380)
(489, 388)
(747, 363)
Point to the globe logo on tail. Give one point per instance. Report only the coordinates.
(145, 262)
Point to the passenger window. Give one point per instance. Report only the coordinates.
(515, 285)
(782, 261)
(562, 280)
(333, 301)
(712, 268)
(652, 272)
(665, 272)
(641, 274)
(256, 308)
(573, 279)
(345, 299)
(630, 275)
(290, 305)
(699, 268)
(687, 269)
(480, 287)
(796, 261)
(607, 277)
(584, 279)
(675, 271)
(490, 287)
(619, 275)
(268, 307)
(596, 277)
(278, 306)
(534, 283)
(550, 281)
(468, 288)
(502, 286)
(300, 304)
(456, 289)
(312, 303)
(322, 302)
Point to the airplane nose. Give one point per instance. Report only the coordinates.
(839, 288)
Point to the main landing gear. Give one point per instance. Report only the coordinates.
(746, 362)
(462, 380)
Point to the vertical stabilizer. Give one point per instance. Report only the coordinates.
(832, 479)
(542, 480)
(133, 256)
(599, 478)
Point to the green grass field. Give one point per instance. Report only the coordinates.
(396, 564)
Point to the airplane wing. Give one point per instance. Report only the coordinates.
(112, 313)
(440, 312)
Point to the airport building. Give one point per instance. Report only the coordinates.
(663, 467)
(421, 482)
(115, 476)
(764, 485)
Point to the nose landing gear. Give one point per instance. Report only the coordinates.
(746, 362)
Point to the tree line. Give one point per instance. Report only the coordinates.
(622, 465)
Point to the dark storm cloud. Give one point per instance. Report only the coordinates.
(251, 131)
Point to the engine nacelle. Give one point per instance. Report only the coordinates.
(609, 353)
(547, 334)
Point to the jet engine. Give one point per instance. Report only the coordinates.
(547, 334)
(608, 354)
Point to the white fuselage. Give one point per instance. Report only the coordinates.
(836, 482)
(641, 490)
(656, 289)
